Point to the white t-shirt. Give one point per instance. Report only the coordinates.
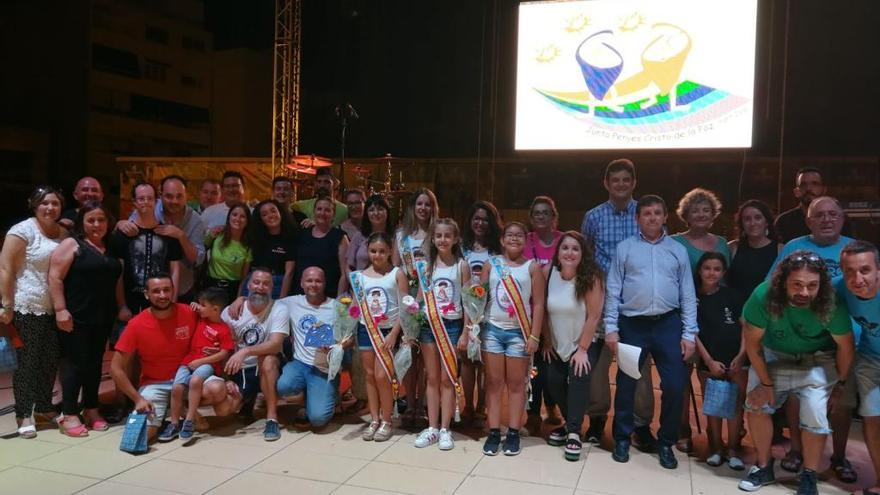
(304, 317)
(248, 330)
(382, 296)
(501, 310)
(32, 277)
(446, 284)
(215, 215)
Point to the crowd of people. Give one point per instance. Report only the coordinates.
(217, 302)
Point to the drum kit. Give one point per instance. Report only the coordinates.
(304, 167)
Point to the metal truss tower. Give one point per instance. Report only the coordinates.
(286, 80)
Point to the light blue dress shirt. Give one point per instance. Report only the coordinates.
(648, 279)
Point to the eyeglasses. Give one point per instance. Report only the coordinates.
(831, 215)
(806, 257)
(514, 235)
(542, 213)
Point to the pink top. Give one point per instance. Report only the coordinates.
(536, 250)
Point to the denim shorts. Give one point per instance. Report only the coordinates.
(809, 376)
(184, 374)
(453, 329)
(500, 341)
(363, 338)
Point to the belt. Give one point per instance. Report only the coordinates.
(653, 317)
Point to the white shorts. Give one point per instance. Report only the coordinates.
(866, 374)
(159, 394)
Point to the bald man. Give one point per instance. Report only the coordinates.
(87, 189)
(312, 316)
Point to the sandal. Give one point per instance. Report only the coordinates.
(844, 470)
(98, 424)
(27, 430)
(77, 430)
(792, 462)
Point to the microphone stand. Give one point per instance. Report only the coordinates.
(344, 112)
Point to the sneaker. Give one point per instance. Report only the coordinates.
(808, 483)
(573, 447)
(383, 433)
(557, 437)
(370, 432)
(493, 442)
(596, 429)
(187, 429)
(511, 442)
(446, 442)
(272, 430)
(428, 436)
(758, 477)
(736, 463)
(170, 432)
(715, 460)
(621, 451)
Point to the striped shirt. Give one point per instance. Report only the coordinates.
(605, 226)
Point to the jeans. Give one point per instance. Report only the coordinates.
(297, 377)
(571, 392)
(661, 337)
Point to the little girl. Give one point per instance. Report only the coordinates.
(448, 271)
(377, 291)
(721, 350)
(512, 334)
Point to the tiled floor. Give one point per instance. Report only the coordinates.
(234, 459)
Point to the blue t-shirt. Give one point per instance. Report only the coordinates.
(829, 254)
(865, 314)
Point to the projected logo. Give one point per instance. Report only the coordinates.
(635, 73)
(656, 96)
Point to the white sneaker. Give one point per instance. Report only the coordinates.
(446, 442)
(428, 436)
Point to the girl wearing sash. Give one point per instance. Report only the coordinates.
(481, 238)
(575, 296)
(378, 290)
(448, 271)
(512, 334)
(421, 211)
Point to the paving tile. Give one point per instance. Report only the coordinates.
(300, 463)
(175, 476)
(55, 436)
(83, 461)
(481, 485)
(344, 447)
(20, 451)
(250, 482)
(223, 454)
(22, 480)
(466, 454)
(110, 443)
(557, 472)
(642, 474)
(114, 488)
(359, 490)
(406, 479)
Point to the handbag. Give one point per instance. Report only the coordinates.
(719, 398)
(134, 436)
(8, 358)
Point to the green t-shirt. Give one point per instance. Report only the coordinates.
(798, 330)
(307, 208)
(227, 262)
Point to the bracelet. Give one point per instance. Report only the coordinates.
(766, 384)
(536, 339)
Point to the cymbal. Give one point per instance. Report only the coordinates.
(387, 158)
(302, 169)
(311, 161)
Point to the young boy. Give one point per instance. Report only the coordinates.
(197, 366)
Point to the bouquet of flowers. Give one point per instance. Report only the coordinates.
(411, 320)
(473, 301)
(347, 314)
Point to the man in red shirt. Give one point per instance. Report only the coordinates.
(160, 335)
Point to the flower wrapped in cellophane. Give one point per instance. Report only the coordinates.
(411, 320)
(473, 300)
(347, 315)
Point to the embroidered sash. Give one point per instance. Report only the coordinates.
(386, 359)
(514, 294)
(438, 328)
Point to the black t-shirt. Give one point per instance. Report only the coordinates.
(322, 252)
(718, 319)
(69, 214)
(143, 255)
(90, 286)
(274, 253)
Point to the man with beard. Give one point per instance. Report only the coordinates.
(793, 223)
(324, 185)
(87, 189)
(859, 289)
(259, 328)
(178, 221)
(160, 337)
(308, 370)
(799, 343)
